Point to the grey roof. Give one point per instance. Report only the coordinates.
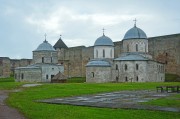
(135, 33)
(45, 46)
(132, 57)
(60, 44)
(103, 41)
(98, 63)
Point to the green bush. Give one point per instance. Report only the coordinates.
(172, 78)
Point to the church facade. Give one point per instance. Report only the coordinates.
(45, 65)
(133, 65)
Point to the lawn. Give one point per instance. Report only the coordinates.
(9, 83)
(25, 101)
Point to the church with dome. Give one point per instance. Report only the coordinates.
(45, 65)
(99, 63)
(133, 65)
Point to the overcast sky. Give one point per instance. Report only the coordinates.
(23, 23)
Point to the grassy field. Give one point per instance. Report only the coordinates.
(25, 101)
(8, 84)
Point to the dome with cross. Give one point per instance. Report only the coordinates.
(135, 33)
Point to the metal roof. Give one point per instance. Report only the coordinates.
(132, 57)
(60, 44)
(103, 41)
(98, 63)
(135, 33)
(45, 46)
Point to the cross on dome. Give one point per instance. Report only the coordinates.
(103, 31)
(45, 36)
(135, 21)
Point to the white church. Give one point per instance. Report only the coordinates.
(133, 65)
(45, 65)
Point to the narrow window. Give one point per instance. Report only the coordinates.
(136, 47)
(22, 76)
(92, 74)
(166, 54)
(137, 67)
(116, 67)
(96, 53)
(42, 59)
(46, 76)
(52, 76)
(125, 67)
(103, 53)
(126, 79)
(137, 78)
(117, 78)
(127, 47)
(51, 59)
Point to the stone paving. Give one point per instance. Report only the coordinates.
(121, 99)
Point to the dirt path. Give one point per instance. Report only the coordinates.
(7, 112)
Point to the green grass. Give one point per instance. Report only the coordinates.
(25, 101)
(8, 83)
(76, 80)
(173, 101)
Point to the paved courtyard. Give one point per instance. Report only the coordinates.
(121, 99)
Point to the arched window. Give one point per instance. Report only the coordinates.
(96, 53)
(126, 79)
(137, 78)
(137, 67)
(51, 59)
(42, 59)
(125, 67)
(103, 53)
(116, 67)
(117, 78)
(92, 74)
(136, 47)
(127, 47)
(22, 76)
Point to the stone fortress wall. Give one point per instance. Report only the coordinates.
(165, 49)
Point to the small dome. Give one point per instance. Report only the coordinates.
(98, 63)
(103, 41)
(135, 33)
(45, 46)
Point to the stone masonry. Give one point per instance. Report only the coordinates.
(164, 49)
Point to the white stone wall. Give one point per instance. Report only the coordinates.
(130, 45)
(98, 74)
(49, 71)
(156, 72)
(28, 75)
(148, 71)
(131, 72)
(44, 73)
(49, 57)
(98, 51)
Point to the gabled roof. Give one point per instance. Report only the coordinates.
(59, 76)
(60, 44)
